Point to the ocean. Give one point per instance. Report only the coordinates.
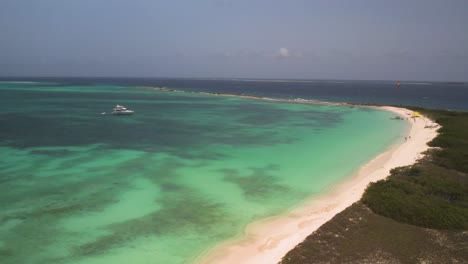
(188, 170)
(438, 95)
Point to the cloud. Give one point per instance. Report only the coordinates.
(284, 53)
(280, 54)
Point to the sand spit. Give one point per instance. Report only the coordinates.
(245, 96)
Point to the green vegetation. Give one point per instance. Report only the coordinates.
(434, 192)
(390, 223)
(357, 235)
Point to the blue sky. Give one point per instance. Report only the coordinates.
(374, 39)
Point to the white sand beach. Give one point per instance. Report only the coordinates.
(267, 241)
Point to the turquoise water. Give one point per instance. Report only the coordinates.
(184, 173)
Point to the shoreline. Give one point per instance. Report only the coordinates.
(268, 240)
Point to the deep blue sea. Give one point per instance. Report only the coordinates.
(440, 95)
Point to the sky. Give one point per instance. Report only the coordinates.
(277, 39)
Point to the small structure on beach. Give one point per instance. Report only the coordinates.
(397, 118)
(416, 114)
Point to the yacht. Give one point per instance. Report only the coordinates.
(122, 110)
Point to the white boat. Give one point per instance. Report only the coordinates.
(122, 110)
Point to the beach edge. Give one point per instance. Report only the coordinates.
(268, 240)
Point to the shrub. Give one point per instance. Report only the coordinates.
(434, 192)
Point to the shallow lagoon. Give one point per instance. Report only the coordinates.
(185, 172)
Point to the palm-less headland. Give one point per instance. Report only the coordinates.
(185, 174)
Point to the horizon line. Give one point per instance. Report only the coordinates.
(231, 79)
